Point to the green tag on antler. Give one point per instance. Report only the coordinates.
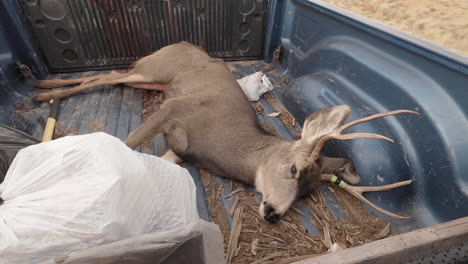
(334, 179)
(342, 184)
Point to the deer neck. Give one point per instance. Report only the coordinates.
(257, 154)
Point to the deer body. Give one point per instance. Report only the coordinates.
(208, 121)
(205, 102)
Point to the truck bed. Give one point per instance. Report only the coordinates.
(326, 57)
(120, 110)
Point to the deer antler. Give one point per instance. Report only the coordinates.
(357, 192)
(337, 133)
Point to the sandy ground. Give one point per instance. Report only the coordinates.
(444, 22)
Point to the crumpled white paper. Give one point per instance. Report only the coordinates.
(255, 85)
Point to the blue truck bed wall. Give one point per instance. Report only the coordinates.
(17, 45)
(334, 57)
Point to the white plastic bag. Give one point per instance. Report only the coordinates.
(173, 246)
(255, 85)
(81, 191)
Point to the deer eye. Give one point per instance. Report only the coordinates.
(293, 169)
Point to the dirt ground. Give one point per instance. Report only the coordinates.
(444, 22)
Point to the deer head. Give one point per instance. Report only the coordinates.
(293, 169)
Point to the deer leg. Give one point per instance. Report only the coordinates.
(155, 124)
(171, 156)
(108, 79)
(341, 167)
(148, 86)
(56, 83)
(163, 121)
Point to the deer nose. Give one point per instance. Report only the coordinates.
(270, 215)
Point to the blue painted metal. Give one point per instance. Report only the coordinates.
(16, 45)
(202, 204)
(273, 28)
(333, 57)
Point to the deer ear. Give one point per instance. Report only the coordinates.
(323, 122)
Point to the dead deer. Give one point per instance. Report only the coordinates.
(207, 120)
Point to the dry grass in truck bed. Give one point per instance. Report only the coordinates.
(252, 239)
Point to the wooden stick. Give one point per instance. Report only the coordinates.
(234, 205)
(297, 210)
(273, 237)
(285, 224)
(263, 245)
(384, 232)
(268, 257)
(314, 212)
(235, 232)
(299, 232)
(326, 236)
(254, 247)
(234, 192)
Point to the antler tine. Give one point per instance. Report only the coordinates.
(357, 192)
(363, 189)
(337, 134)
(372, 117)
(362, 135)
(323, 140)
